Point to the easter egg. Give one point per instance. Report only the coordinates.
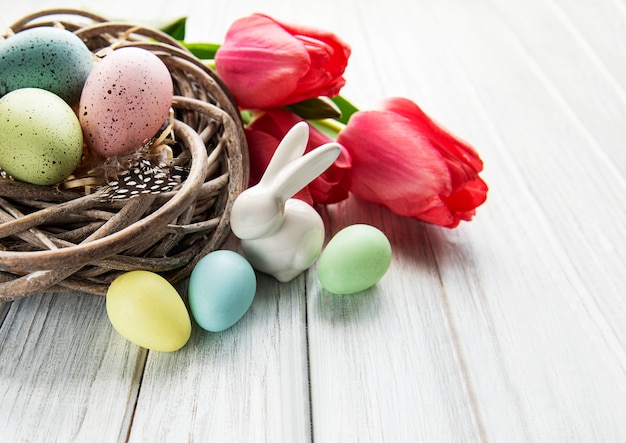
(355, 259)
(125, 101)
(221, 289)
(148, 311)
(47, 58)
(42, 142)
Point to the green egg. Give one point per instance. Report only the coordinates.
(355, 259)
(42, 141)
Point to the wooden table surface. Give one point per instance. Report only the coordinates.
(509, 328)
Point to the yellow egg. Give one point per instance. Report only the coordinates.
(148, 311)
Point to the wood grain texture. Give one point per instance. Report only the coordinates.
(386, 369)
(508, 328)
(246, 384)
(65, 375)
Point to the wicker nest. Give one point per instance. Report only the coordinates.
(55, 239)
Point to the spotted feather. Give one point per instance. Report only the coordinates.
(143, 177)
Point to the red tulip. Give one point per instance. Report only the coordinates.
(269, 64)
(403, 160)
(263, 136)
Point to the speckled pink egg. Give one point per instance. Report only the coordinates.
(125, 101)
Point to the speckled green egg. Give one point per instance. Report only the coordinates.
(41, 140)
(48, 58)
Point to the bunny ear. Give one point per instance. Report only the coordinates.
(291, 147)
(302, 171)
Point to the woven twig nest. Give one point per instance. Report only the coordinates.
(55, 239)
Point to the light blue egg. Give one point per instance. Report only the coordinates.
(221, 289)
(47, 58)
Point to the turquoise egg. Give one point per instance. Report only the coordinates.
(48, 58)
(221, 289)
(355, 259)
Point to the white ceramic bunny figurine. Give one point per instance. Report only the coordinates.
(280, 235)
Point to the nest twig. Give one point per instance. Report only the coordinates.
(54, 239)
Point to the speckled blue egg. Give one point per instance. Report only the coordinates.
(221, 289)
(42, 141)
(48, 58)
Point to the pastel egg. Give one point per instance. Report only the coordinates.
(125, 101)
(221, 289)
(48, 58)
(42, 142)
(148, 311)
(355, 259)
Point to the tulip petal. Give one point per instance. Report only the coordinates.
(451, 146)
(392, 163)
(260, 62)
(269, 64)
(403, 160)
(262, 147)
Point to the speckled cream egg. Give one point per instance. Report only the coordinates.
(125, 101)
(48, 58)
(41, 140)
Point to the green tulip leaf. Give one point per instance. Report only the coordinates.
(315, 109)
(204, 51)
(175, 29)
(346, 108)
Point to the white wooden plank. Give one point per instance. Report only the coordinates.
(384, 363)
(64, 373)
(519, 391)
(542, 360)
(533, 126)
(387, 359)
(554, 312)
(596, 30)
(582, 77)
(246, 384)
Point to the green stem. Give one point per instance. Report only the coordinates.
(328, 126)
(204, 51)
